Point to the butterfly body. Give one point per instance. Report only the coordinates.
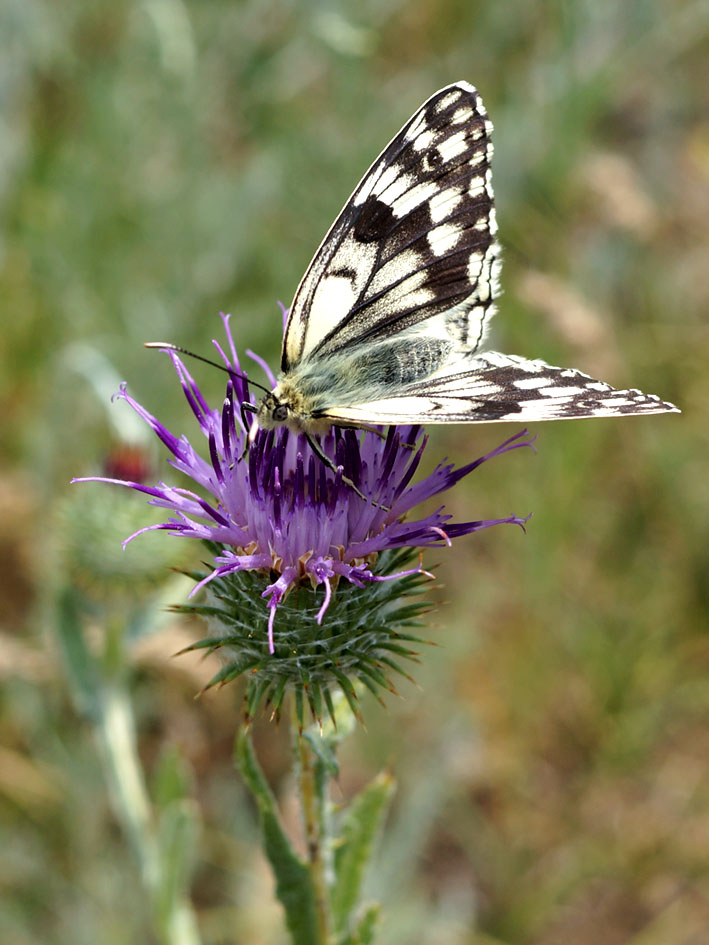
(387, 325)
(305, 396)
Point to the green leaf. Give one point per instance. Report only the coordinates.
(323, 749)
(323, 739)
(172, 778)
(178, 829)
(363, 933)
(367, 925)
(79, 661)
(353, 853)
(232, 670)
(294, 886)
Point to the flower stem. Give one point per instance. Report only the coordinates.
(115, 728)
(116, 734)
(311, 784)
(99, 687)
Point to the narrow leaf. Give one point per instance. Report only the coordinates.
(322, 748)
(359, 831)
(366, 925)
(177, 840)
(294, 886)
(363, 933)
(79, 661)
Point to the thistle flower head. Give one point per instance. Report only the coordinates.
(303, 588)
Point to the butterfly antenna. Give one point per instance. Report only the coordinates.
(167, 346)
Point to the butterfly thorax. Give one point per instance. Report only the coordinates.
(306, 394)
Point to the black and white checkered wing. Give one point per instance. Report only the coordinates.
(414, 244)
(387, 323)
(499, 387)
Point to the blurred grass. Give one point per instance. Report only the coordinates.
(162, 160)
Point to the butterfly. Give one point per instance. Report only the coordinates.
(388, 322)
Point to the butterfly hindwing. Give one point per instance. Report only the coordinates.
(498, 387)
(415, 242)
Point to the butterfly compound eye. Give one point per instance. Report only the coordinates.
(280, 413)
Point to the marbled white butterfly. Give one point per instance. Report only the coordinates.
(387, 323)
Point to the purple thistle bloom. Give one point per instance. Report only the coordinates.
(281, 511)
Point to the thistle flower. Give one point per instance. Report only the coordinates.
(285, 529)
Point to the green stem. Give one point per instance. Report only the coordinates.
(116, 732)
(115, 728)
(312, 801)
(98, 686)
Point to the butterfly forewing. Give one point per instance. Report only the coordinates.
(414, 244)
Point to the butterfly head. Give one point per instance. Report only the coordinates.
(287, 406)
(283, 406)
(272, 412)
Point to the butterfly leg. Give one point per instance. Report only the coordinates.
(324, 458)
(382, 436)
(368, 428)
(246, 408)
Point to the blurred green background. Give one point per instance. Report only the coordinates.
(164, 160)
